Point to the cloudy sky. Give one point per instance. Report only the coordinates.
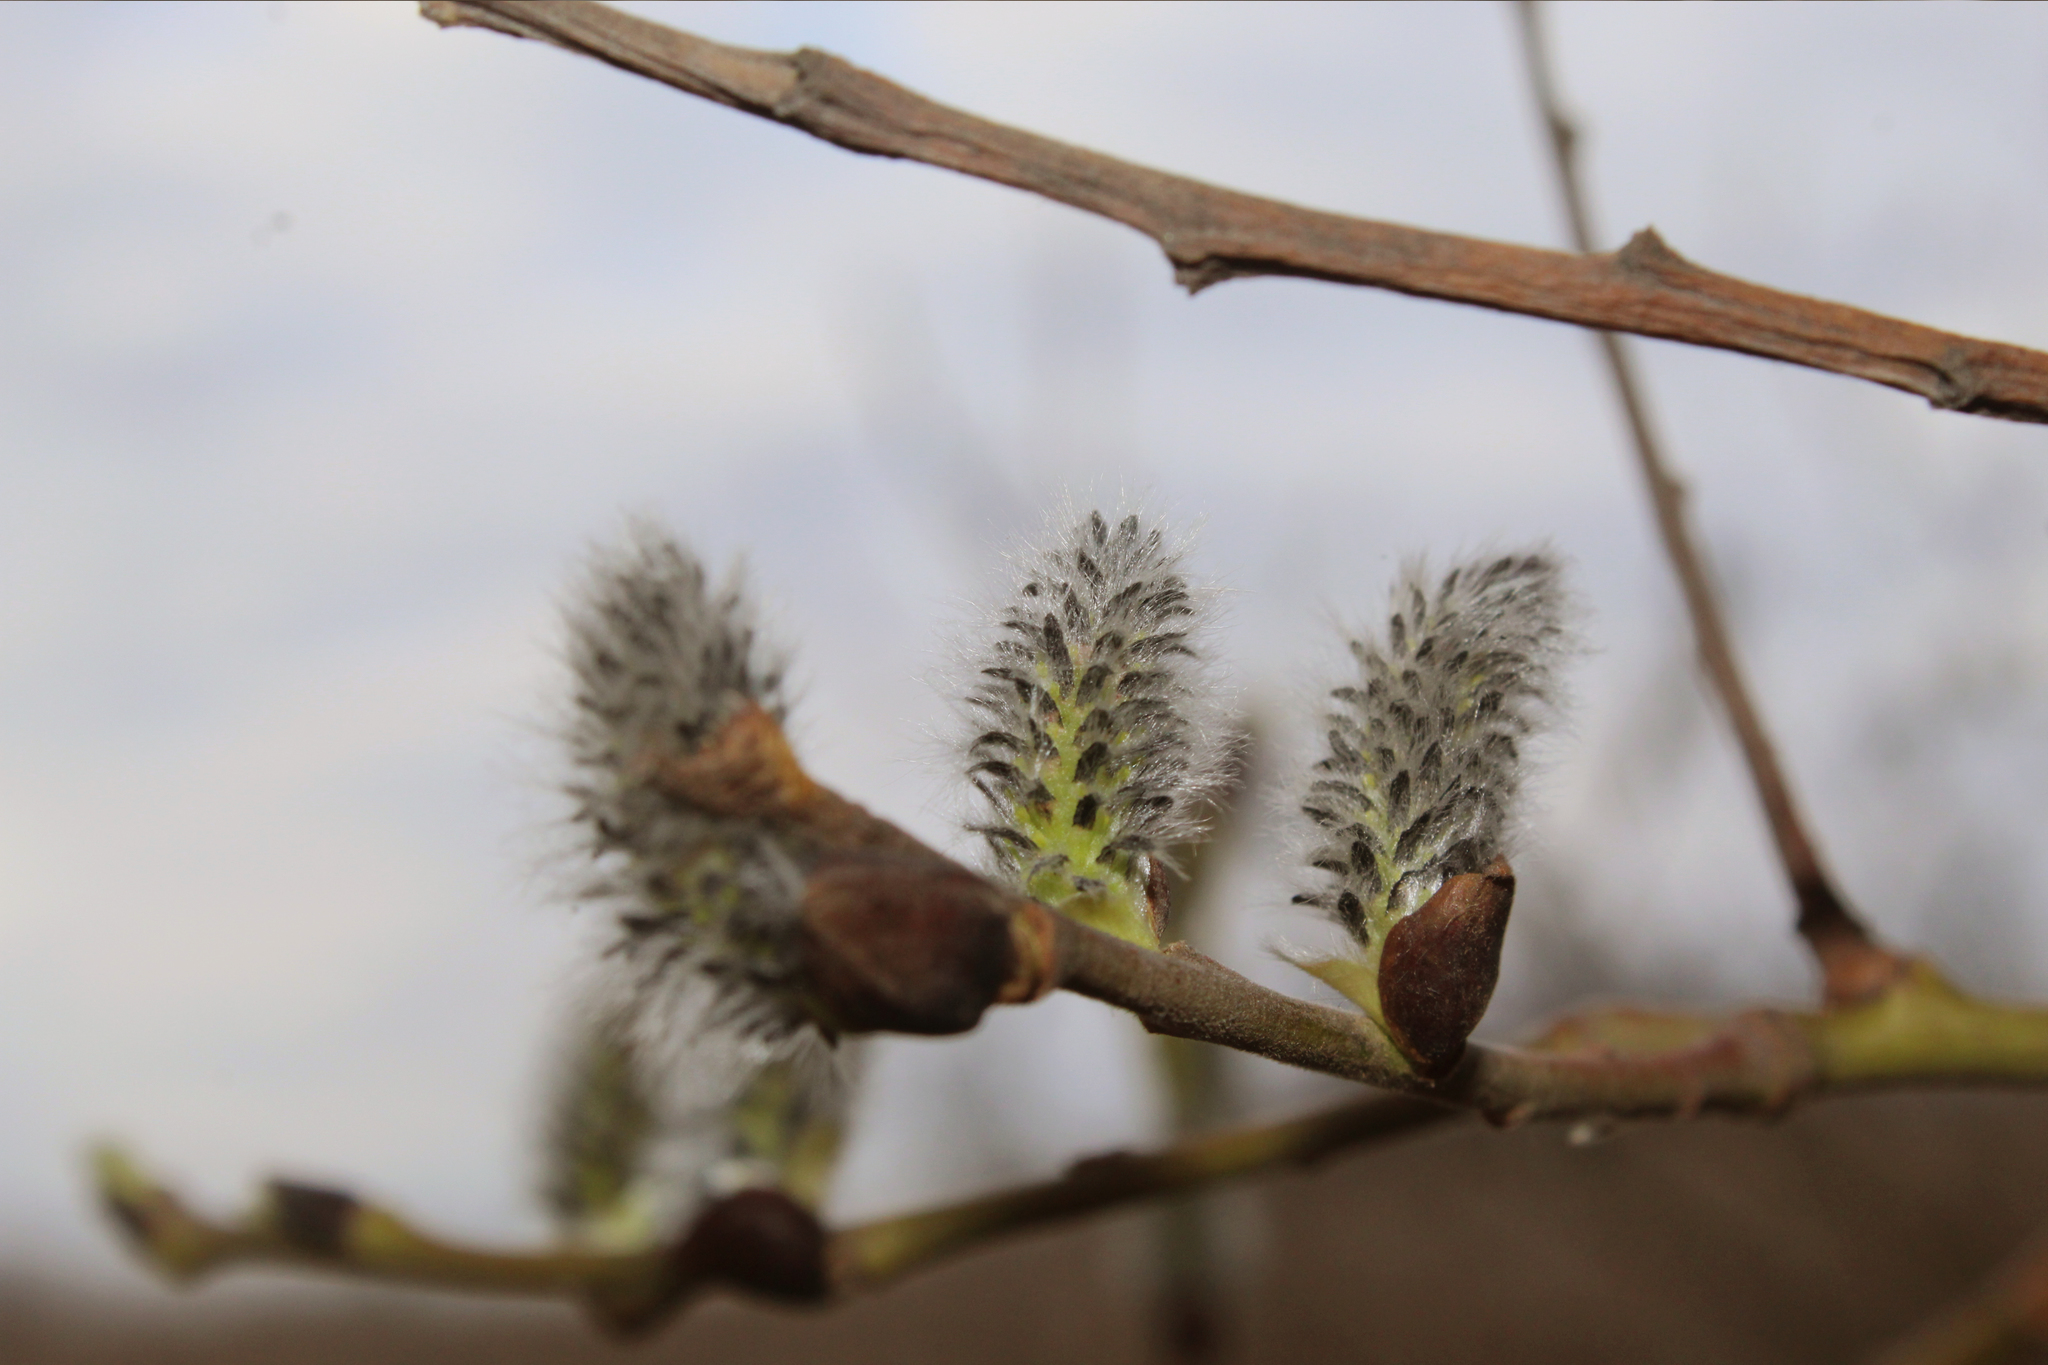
(330, 341)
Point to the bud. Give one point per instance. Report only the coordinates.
(1095, 741)
(1410, 804)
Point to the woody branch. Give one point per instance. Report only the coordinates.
(1211, 234)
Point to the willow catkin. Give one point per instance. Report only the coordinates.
(660, 658)
(1423, 757)
(662, 1100)
(1095, 742)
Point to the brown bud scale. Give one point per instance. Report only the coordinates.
(906, 944)
(1440, 964)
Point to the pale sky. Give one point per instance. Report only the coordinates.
(329, 340)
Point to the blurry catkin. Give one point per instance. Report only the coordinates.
(1095, 741)
(661, 658)
(1424, 744)
(600, 1127)
(662, 1101)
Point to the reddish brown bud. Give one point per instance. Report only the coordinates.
(1439, 966)
(760, 1241)
(1158, 896)
(909, 944)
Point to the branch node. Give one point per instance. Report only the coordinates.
(1200, 271)
(1035, 955)
(456, 14)
(1648, 254)
(761, 1241)
(1959, 385)
(311, 1219)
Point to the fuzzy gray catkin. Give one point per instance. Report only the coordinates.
(1424, 745)
(662, 1101)
(1094, 740)
(661, 657)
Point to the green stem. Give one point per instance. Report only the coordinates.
(1924, 1028)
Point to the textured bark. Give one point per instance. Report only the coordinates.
(1211, 234)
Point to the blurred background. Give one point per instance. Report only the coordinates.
(330, 341)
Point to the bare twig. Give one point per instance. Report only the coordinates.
(331, 1231)
(1852, 965)
(1212, 234)
(1999, 1323)
(881, 1251)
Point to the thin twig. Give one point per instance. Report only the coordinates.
(1852, 965)
(632, 1290)
(1212, 234)
(887, 1249)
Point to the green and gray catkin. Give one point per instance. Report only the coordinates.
(1095, 739)
(1423, 747)
(661, 657)
(692, 1069)
(661, 1101)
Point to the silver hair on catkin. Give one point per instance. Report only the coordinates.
(661, 1102)
(1424, 744)
(1095, 740)
(661, 657)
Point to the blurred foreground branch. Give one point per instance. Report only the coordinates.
(1212, 234)
(757, 1240)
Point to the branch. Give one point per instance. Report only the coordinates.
(879, 1252)
(755, 1241)
(1619, 1062)
(1853, 966)
(327, 1230)
(1918, 1030)
(1211, 234)
(894, 936)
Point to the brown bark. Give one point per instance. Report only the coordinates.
(1211, 234)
